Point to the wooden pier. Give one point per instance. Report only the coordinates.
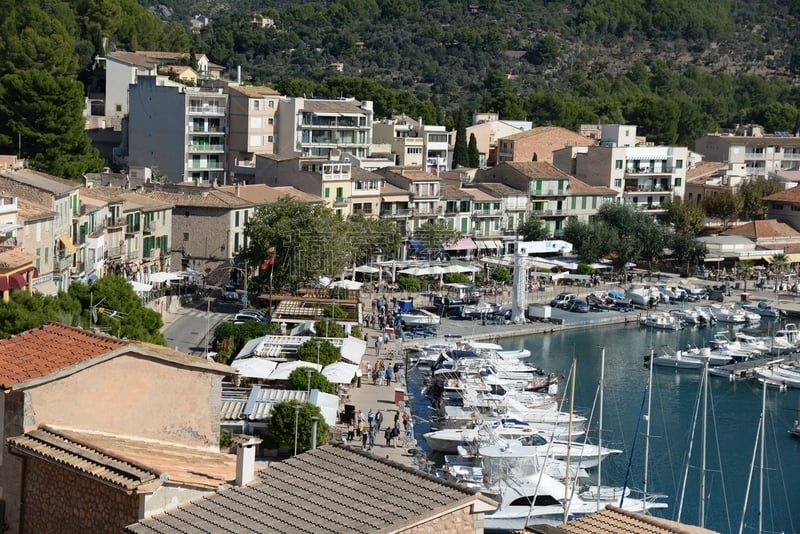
(742, 370)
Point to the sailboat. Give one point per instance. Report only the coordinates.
(537, 498)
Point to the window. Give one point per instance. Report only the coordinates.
(255, 140)
(119, 107)
(271, 104)
(777, 206)
(186, 213)
(618, 164)
(236, 241)
(679, 164)
(583, 203)
(186, 236)
(270, 121)
(269, 139)
(617, 183)
(236, 218)
(255, 122)
(677, 182)
(339, 192)
(574, 202)
(795, 208)
(256, 105)
(594, 203)
(327, 192)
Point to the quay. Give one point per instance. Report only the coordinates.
(743, 370)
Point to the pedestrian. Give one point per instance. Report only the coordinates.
(378, 420)
(381, 377)
(389, 374)
(388, 436)
(410, 432)
(396, 367)
(378, 343)
(370, 440)
(395, 434)
(405, 420)
(375, 376)
(350, 432)
(364, 441)
(370, 418)
(361, 428)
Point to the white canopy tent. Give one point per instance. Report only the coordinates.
(254, 367)
(346, 284)
(283, 370)
(366, 269)
(340, 372)
(353, 349)
(140, 287)
(164, 277)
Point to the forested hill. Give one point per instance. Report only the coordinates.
(678, 67)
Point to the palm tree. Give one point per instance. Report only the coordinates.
(745, 269)
(779, 263)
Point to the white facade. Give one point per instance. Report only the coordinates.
(437, 148)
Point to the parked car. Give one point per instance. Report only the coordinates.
(230, 293)
(578, 306)
(563, 300)
(261, 316)
(246, 318)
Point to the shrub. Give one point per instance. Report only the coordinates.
(328, 352)
(501, 274)
(300, 381)
(409, 283)
(282, 424)
(457, 278)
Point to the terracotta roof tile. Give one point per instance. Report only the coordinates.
(787, 195)
(332, 489)
(501, 189)
(252, 91)
(14, 258)
(612, 519)
(536, 169)
(578, 187)
(37, 353)
(705, 169)
(544, 130)
(763, 229)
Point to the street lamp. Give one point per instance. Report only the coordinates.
(296, 419)
(319, 342)
(309, 372)
(208, 322)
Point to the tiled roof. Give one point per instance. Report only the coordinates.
(751, 140)
(213, 198)
(40, 180)
(54, 447)
(787, 195)
(544, 131)
(252, 91)
(536, 169)
(266, 194)
(11, 259)
(30, 211)
(705, 168)
(134, 59)
(449, 191)
(131, 200)
(413, 174)
(45, 350)
(612, 519)
(331, 489)
(483, 196)
(764, 229)
(578, 187)
(501, 189)
(392, 190)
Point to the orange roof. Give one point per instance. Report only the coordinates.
(705, 169)
(536, 169)
(53, 347)
(787, 195)
(613, 519)
(578, 187)
(764, 229)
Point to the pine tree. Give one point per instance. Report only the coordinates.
(460, 153)
(472, 152)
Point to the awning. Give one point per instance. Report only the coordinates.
(353, 349)
(490, 244)
(140, 287)
(160, 277)
(254, 367)
(12, 281)
(340, 372)
(465, 243)
(418, 247)
(47, 288)
(714, 259)
(67, 242)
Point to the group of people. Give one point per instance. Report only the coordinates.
(365, 427)
(383, 372)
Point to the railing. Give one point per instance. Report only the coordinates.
(405, 212)
(206, 148)
(115, 252)
(487, 213)
(119, 221)
(549, 213)
(207, 110)
(655, 170)
(754, 155)
(341, 201)
(648, 189)
(549, 192)
(205, 165)
(132, 255)
(64, 263)
(150, 227)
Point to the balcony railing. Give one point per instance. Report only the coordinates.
(115, 252)
(487, 213)
(207, 110)
(549, 213)
(549, 192)
(648, 189)
(150, 227)
(62, 264)
(647, 170)
(341, 201)
(397, 213)
(132, 255)
(206, 148)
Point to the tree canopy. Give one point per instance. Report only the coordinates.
(282, 424)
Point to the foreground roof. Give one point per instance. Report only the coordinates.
(761, 229)
(332, 489)
(613, 519)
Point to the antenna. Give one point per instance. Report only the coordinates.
(95, 310)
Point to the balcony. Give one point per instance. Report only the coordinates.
(487, 213)
(132, 255)
(205, 165)
(648, 189)
(65, 263)
(550, 213)
(549, 192)
(647, 170)
(150, 227)
(397, 213)
(754, 155)
(200, 148)
(132, 229)
(116, 222)
(207, 110)
(115, 252)
(341, 201)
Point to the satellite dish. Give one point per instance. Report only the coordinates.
(96, 310)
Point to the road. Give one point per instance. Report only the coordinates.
(195, 324)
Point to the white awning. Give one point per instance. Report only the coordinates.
(283, 370)
(254, 367)
(353, 349)
(47, 288)
(164, 277)
(140, 287)
(340, 372)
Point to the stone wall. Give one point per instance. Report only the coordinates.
(461, 521)
(57, 500)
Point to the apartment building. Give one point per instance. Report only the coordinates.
(553, 195)
(487, 130)
(457, 204)
(712, 178)
(178, 131)
(761, 153)
(424, 190)
(251, 124)
(36, 229)
(403, 138)
(644, 176)
(323, 128)
(396, 206)
(538, 144)
(436, 148)
(56, 195)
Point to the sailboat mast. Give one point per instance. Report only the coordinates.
(761, 460)
(600, 425)
(647, 426)
(569, 439)
(703, 447)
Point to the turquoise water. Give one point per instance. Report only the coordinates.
(732, 423)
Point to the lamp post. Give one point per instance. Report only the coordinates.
(314, 432)
(296, 419)
(309, 372)
(208, 322)
(319, 342)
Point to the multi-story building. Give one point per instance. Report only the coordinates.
(92, 238)
(396, 206)
(138, 231)
(366, 192)
(123, 69)
(487, 130)
(457, 204)
(424, 191)
(37, 230)
(436, 148)
(403, 138)
(538, 144)
(251, 124)
(760, 153)
(54, 194)
(178, 130)
(643, 176)
(712, 178)
(554, 196)
(323, 128)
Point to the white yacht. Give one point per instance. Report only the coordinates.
(660, 320)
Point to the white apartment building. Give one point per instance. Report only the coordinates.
(178, 130)
(404, 140)
(644, 176)
(436, 148)
(251, 124)
(760, 153)
(323, 128)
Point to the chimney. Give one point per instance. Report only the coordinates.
(314, 432)
(246, 461)
(237, 189)
(239, 74)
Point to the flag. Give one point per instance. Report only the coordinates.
(270, 260)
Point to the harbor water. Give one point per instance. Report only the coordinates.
(732, 423)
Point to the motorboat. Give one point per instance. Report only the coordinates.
(660, 320)
(485, 310)
(691, 359)
(417, 318)
(694, 293)
(763, 309)
(785, 339)
(781, 373)
(795, 430)
(534, 497)
(727, 314)
(688, 316)
(643, 296)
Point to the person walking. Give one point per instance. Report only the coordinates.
(409, 433)
(378, 420)
(389, 374)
